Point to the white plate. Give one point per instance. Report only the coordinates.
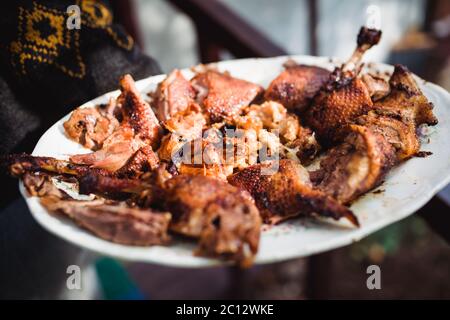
(406, 189)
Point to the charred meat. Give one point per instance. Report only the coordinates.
(295, 87)
(223, 96)
(406, 101)
(114, 222)
(223, 217)
(287, 192)
(174, 94)
(90, 127)
(355, 166)
(344, 97)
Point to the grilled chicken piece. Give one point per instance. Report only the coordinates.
(287, 192)
(344, 97)
(114, 221)
(402, 136)
(223, 217)
(111, 221)
(223, 96)
(144, 160)
(355, 166)
(378, 87)
(18, 164)
(173, 94)
(137, 113)
(332, 111)
(90, 127)
(397, 115)
(138, 128)
(295, 87)
(110, 186)
(114, 154)
(406, 101)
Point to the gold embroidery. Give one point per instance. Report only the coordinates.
(42, 37)
(96, 15)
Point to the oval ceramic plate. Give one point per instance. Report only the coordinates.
(407, 188)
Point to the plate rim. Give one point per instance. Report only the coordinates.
(198, 262)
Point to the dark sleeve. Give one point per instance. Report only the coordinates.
(47, 70)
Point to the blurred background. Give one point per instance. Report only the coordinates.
(413, 254)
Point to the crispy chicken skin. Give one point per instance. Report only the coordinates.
(19, 164)
(296, 86)
(90, 127)
(344, 97)
(406, 101)
(139, 128)
(287, 193)
(137, 112)
(173, 94)
(223, 96)
(223, 217)
(110, 186)
(402, 136)
(397, 115)
(355, 166)
(143, 160)
(332, 111)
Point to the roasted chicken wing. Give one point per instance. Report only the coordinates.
(286, 192)
(142, 161)
(344, 97)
